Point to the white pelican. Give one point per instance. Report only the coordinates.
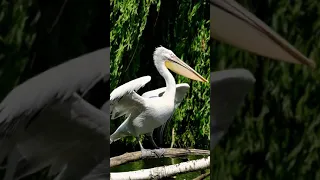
(145, 113)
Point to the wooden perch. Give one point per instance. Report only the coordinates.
(164, 171)
(169, 152)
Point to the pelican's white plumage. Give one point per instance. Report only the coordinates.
(143, 114)
(181, 92)
(152, 109)
(121, 98)
(129, 87)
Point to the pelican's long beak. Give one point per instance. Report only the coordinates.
(233, 24)
(178, 66)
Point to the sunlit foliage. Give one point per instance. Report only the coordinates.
(137, 28)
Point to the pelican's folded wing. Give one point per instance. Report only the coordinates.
(55, 84)
(228, 90)
(181, 91)
(76, 138)
(24, 124)
(233, 24)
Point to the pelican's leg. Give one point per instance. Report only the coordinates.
(141, 147)
(158, 151)
(144, 152)
(150, 137)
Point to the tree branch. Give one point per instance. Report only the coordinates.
(164, 171)
(202, 176)
(58, 16)
(169, 152)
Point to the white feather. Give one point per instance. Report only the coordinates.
(181, 90)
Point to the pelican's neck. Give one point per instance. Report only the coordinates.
(169, 79)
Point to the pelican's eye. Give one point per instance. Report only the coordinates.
(172, 56)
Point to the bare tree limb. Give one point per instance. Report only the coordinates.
(58, 16)
(169, 152)
(172, 138)
(164, 171)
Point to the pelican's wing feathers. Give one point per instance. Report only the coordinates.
(124, 98)
(21, 108)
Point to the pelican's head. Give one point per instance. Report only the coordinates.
(164, 56)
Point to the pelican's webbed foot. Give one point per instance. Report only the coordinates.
(159, 152)
(146, 153)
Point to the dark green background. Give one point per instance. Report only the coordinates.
(29, 45)
(276, 133)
